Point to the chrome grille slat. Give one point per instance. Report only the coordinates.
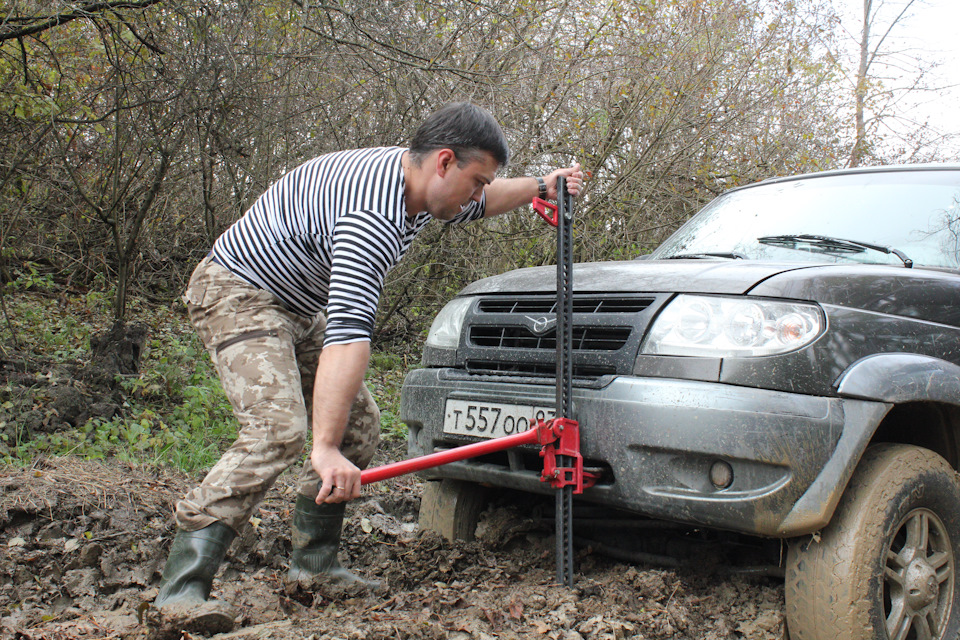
(535, 369)
(586, 304)
(584, 338)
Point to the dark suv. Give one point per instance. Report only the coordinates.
(785, 365)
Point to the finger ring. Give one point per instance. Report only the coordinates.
(338, 488)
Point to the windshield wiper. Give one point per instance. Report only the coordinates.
(733, 255)
(830, 244)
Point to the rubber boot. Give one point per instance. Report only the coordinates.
(315, 537)
(188, 575)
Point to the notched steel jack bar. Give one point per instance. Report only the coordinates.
(559, 438)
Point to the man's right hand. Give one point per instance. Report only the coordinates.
(339, 375)
(339, 478)
(574, 176)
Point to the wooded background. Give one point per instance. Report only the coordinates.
(133, 132)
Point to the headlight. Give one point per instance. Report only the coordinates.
(732, 327)
(445, 330)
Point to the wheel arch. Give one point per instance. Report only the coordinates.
(901, 377)
(931, 425)
(924, 392)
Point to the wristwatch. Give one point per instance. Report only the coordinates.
(543, 188)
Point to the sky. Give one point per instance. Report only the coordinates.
(933, 27)
(929, 30)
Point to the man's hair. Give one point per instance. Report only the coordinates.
(466, 129)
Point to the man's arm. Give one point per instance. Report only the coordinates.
(339, 376)
(506, 194)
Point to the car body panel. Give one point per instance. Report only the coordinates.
(675, 276)
(931, 295)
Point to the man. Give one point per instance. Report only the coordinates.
(321, 239)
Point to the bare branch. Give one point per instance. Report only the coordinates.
(21, 27)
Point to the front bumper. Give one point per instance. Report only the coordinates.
(657, 439)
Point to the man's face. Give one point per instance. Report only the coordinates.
(453, 186)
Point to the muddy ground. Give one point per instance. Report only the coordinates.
(82, 546)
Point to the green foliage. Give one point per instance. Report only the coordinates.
(139, 438)
(385, 379)
(45, 326)
(28, 276)
(174, 411)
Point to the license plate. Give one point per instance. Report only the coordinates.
(491, 419)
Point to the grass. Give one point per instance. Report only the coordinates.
(385, 379)
(174, 412)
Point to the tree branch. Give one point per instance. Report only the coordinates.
(37, 24)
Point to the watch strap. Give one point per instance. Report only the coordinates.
(542, 186)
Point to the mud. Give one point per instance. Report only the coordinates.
(82, 546)
(40, 394)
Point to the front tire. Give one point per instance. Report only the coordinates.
(886, 565)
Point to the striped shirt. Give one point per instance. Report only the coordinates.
(324, 236)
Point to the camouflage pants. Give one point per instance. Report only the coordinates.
(267, 359)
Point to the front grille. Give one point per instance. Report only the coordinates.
(517, 335)
(584, 338)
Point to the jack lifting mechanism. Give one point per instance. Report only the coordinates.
(559, 438)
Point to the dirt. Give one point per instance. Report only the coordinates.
(83, 545)
(40, 394)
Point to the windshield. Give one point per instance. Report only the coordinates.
(914, 212)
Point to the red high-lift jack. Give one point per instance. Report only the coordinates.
(559, 438)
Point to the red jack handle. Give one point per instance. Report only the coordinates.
(530, 436)
(541, 206)
(557, 437)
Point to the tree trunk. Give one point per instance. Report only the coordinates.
(860, 140)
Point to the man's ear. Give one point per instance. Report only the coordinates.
(445, 159)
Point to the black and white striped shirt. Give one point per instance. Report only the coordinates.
(325, 235)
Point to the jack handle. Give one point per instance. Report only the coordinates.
(541, 206)
(557, 437)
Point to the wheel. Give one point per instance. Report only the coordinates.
(452, 508)
(886, 565)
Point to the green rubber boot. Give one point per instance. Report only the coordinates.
(315, 537)
(194, 559)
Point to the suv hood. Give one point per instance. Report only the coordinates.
(734, 277)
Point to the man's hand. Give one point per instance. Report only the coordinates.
(506, 194)
(340, 478)
(574, 178)
(339, 376)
